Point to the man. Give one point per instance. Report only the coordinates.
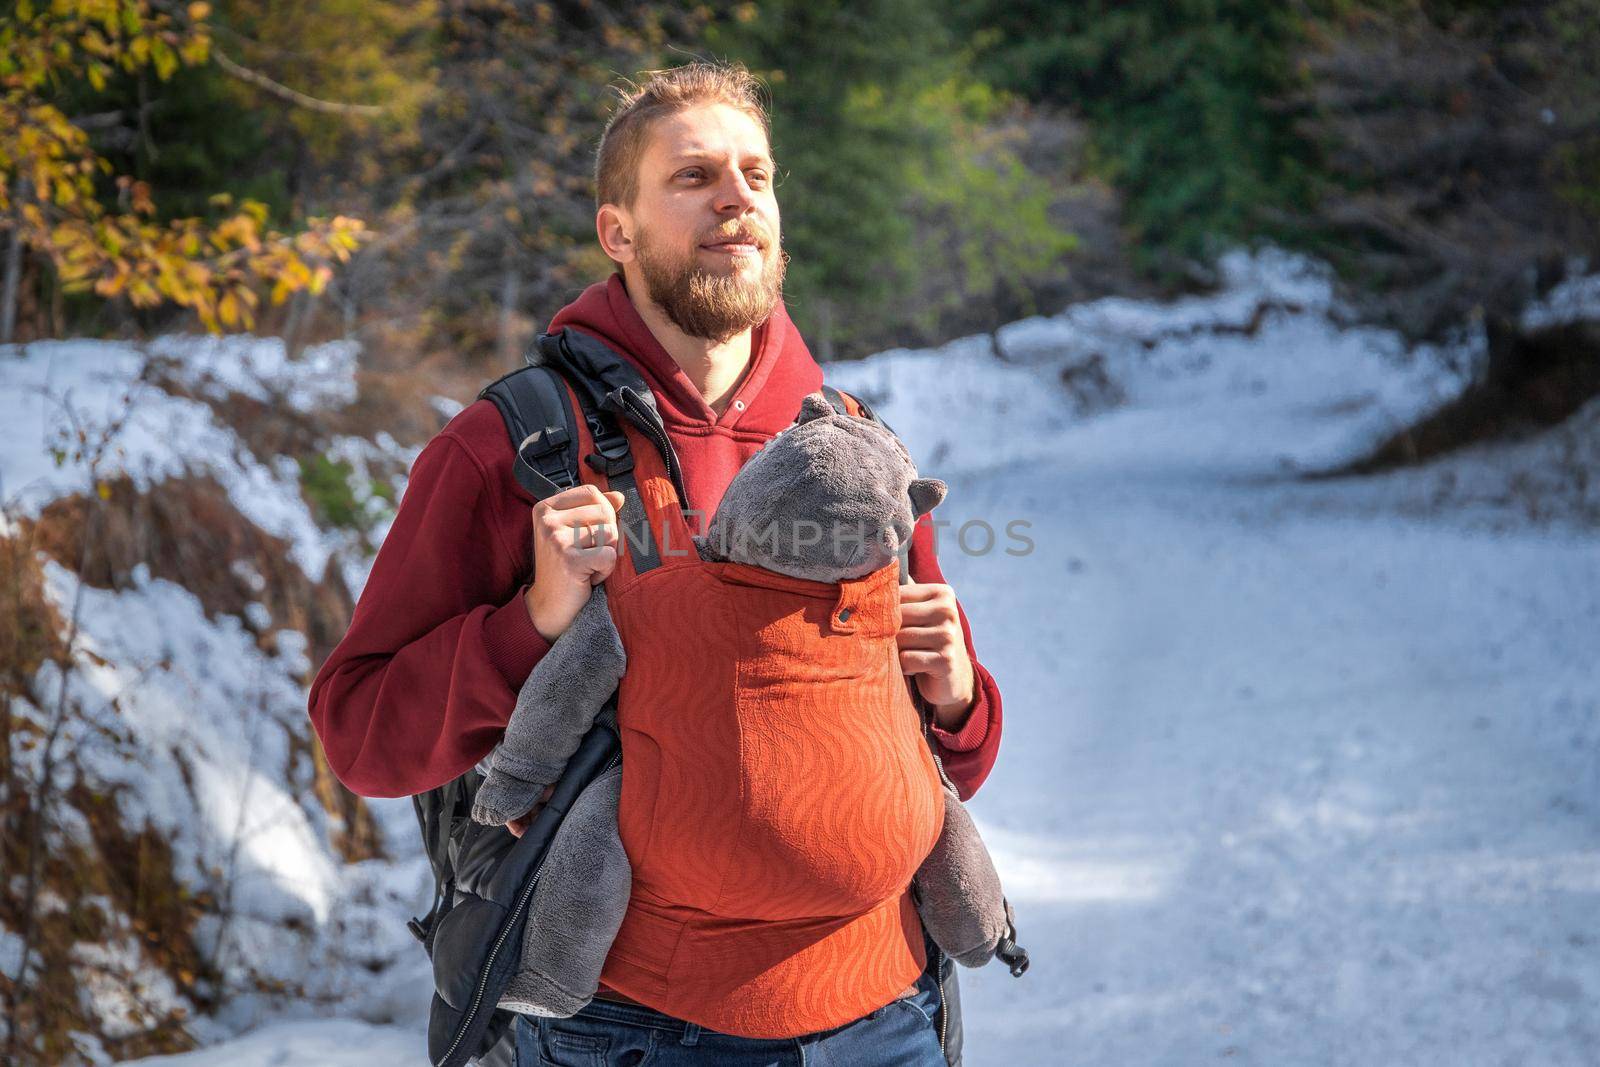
(474, 580)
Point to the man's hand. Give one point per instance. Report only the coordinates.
(933, 650)
(575, 538)
(520, 824)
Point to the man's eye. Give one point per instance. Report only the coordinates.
(758, 177)
(692, 172)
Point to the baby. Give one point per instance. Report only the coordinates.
(827, 471)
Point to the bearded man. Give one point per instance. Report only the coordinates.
(475, 580)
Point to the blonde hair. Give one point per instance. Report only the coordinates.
(665, 92)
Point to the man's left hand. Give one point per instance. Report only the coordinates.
(934, 651)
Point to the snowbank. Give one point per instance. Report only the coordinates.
(69, 406)
(1259, 379)
(196, 726)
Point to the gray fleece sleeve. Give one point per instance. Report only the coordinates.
(555, 709)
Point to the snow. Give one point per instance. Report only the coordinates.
(52, 390)
(1576, 297)
(208, 719)
(1293, 772)
(1303, 392)
(198, 732)
(200, 690)
(1290, 789)
(323, 376)
(122, 1007)
(10, 952)
(322, 1042)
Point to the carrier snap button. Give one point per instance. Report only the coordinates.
(844, 615)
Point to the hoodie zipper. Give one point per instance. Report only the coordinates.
(926, 714)
(517, 917)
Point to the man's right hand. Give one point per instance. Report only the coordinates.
(520, 824)
(575, 538)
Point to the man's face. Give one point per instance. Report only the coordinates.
(704, 228)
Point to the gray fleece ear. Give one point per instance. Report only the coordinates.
(926, 493)
(814, 406)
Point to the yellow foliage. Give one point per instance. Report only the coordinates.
(213, 269)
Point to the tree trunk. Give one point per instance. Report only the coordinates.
(294, 329)
(347, 305)
(825, 330)
(510, 289)
(13, 268)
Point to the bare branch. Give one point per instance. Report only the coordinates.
(283, 92)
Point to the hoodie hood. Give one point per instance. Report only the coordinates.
(781, 370)
(710, 447)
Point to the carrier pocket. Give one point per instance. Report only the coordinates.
(641, 955)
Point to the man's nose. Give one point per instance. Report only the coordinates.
(734, 193)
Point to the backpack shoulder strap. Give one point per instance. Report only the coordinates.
(849, 404)
(437, 809)
(568, 379)
(603, 383)
(537, 409)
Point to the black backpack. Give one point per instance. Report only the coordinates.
(484, 877)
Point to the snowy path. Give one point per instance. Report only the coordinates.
(1279, 786)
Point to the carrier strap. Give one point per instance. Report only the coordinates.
(613, 457)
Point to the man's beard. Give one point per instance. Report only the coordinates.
(712, 305)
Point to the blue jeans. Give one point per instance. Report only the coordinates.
(608, 1034)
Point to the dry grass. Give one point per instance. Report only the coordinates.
(51, 878)
(77, 872)
(32, 634)
(183, 529)
(188, 531)
(133, 871)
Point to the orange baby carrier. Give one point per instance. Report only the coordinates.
(777, 792)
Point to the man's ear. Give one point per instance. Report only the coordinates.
(814, 406)
(613, 226)
(926, 493)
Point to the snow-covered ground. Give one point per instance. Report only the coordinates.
(1293, 772)
(198, 724)
(1279, 786)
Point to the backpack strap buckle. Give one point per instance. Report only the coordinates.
(610, 462)
(611, 455)
(541, 465)
(541, 443)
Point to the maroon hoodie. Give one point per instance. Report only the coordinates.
(425, 680)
